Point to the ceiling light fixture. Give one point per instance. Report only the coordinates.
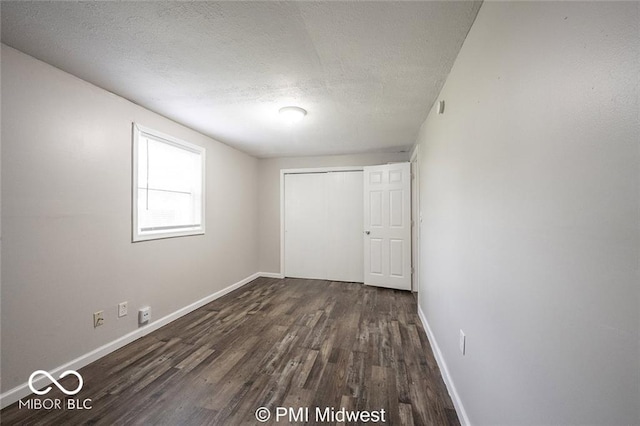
(292, 114)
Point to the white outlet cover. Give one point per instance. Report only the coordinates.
(122, 309)
(98, 319)
(144, 315)
(462, 342)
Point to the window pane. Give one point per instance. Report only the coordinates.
(166, 209)
(173, 168)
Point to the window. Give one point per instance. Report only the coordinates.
(168, 186)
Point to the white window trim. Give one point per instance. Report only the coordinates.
(139, 130)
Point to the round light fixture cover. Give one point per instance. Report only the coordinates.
(292, 114)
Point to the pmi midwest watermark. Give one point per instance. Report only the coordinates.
(55, 403)
(320, 415)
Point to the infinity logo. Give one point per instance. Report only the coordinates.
(55, 382)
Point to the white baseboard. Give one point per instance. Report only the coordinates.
(21, 391)
(271, 275)
(448, 381)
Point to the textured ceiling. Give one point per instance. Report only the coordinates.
(367, 72)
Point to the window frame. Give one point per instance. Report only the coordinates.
(140, 131)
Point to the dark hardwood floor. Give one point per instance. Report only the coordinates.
(272, 343)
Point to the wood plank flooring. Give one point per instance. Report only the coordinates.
(272, 343)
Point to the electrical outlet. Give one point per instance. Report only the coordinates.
(462, 342)
(144, 315)
(98, 319)
(122, 309)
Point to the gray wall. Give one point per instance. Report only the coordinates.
(66, 200)
(269, 194)
(530, 196)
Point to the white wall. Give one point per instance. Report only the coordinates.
(66, 200)
(269, 194)
(530, 196)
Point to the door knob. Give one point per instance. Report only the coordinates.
(367, 232)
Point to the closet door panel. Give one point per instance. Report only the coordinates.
(345, 247)
(306, 222)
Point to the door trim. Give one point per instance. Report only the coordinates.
(415, 211)
(284, 172)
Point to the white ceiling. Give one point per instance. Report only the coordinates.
(366, 72)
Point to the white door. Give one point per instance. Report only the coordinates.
(387, 225)
(323, 225)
